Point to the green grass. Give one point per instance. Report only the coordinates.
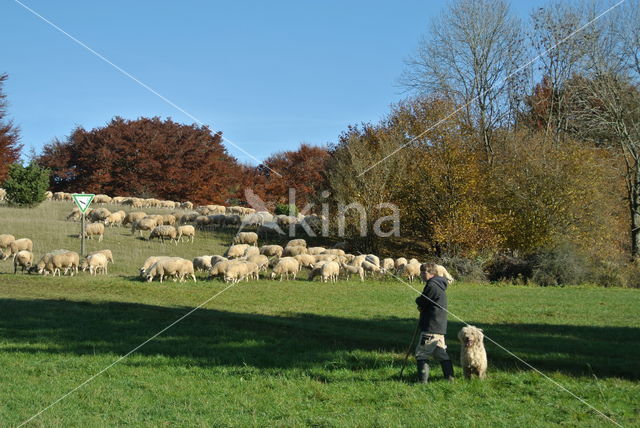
(294, 353)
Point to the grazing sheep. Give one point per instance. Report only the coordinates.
(75, 214)
(186, 231)
(150, 262)
(250, 238)
(220, 267)
(351, 270)
(216, 220)
(5, 240)
(167, 204)
(373, 259)
(388, 264)
(107, 253)
(171, 266)
(330, 271)
(334, 251)
(410, 270)
(473, 356)
(326, 257)
(55, 261)
(294, 251)
(24, 259)
(401, 261)
(93, 229)
(169, 219)
(3, 194)
(442, 271)
(48, 195)
(202, 263)
(132, 217)
(17, 246)
(297, 243)
(305, 260)
(286, 266)
(164, 232)
(251, 251)
(215, 259)
(99, 214)
(115, 219)
(233, 220)
(414, 261)
(102, 199)
(314, 251)
(143, 224)
(96, 263)
(186, 205)
(236, 272)
(370, 267)
(260, 260)
(236, 251)
(271, 250)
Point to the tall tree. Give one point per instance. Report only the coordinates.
(471, 57)
(147, 157)
(10, 146)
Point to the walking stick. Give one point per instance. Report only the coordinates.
(406, 357)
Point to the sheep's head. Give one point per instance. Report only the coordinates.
(470, 336)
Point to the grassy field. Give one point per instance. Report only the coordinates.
(294, 353)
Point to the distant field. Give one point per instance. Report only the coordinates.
(293, 353)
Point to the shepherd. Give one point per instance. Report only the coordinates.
(432, 304)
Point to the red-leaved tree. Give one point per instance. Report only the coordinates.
(9, 136)
(147, 157)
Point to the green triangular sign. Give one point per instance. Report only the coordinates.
(82, 201)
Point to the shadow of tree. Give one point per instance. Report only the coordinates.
(212, 338)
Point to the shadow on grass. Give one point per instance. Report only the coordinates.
(211, 338)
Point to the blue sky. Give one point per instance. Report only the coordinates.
(269, 75)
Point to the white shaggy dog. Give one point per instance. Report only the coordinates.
(473, 357)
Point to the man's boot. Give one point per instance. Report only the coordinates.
(423, 371)
(447, 369)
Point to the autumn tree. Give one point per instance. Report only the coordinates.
(10, 146)
(147, 157)
(302, 170)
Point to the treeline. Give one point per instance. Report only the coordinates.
(514, 169)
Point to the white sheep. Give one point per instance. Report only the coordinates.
(16, 246)
(24, 259)
(271, 250)
(164, 232)
(314, 251)
(236, 251)
(250, 238)
(351, 270)
(260, 260)
(294, 251)
(94, 229)
(202, 263)
(286, 266)
(96, 263)
(401, 261)
(251, 251)
(107, 253)
(388, 264)
(150, 262)
(143, 224)
(410, 270)
(186, 231)
(297, 243)
(370, 267)
(5, 240)
(330, 271)
(55, 261)
(306, 260)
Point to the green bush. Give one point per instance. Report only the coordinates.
(285, 209)
(464, 269)
(509, 268)
(26, 186)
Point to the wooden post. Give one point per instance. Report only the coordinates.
(82, 237)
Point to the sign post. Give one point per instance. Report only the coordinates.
(82, 201)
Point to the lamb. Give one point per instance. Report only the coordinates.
(55, 261)
(202, 263)
(132, 217)
(317, 270)
(236, 251)
(143, 224)
(357, 260)
(186, 231)
(306, 260)
(314, 251)
(107, 253)
(150, 262)
(17, 246)
(388, 264)
(350, 270)
(271, 250)
(330, 271)
(286, 266)
(164, 232)
(410, 270)
(94, 229)
(253, 270)
(251, 251)
(95, 262)
(294, 251)
(297, 243)
(24, 259)
(401, 261)
(250, 238)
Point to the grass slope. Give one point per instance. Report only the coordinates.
(294, 353)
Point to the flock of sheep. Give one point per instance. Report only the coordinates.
(243, 260)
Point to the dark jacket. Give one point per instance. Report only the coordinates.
(433, 307)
